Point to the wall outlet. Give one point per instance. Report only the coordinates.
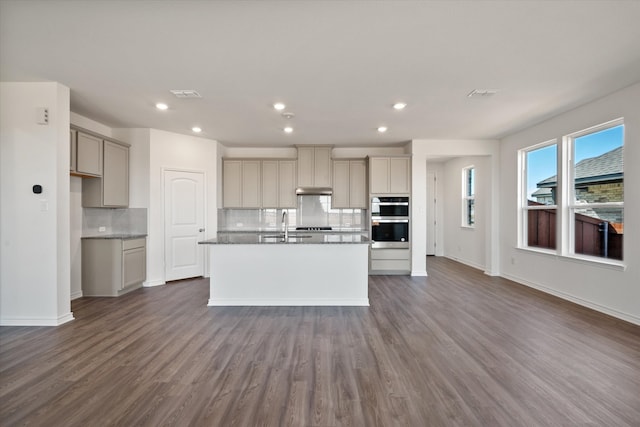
(102, 229)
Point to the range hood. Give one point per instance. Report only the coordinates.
(314, 191)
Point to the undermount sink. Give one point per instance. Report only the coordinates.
(291, 236)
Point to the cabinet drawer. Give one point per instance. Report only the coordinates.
(396, 254)
(390, 264)
(133, 243)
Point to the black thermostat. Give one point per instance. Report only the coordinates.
(37, 189)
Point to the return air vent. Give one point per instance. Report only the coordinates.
(482, 93)
(185, 93)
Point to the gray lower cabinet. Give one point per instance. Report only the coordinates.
(112, 267)
(390, 261)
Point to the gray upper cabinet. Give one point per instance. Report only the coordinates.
(349, 184)
(287, 184)
(279, 184)
(115, 175)
(112, 189)
(390, 175)
(73, 146)
(255, 183)
(241, 184)
(314, 166)
(88, 155)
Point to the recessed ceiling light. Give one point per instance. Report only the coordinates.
(279, 106)
(161, 106)
(196, 129)
(382, 129)
(399, 105)
(288, 129)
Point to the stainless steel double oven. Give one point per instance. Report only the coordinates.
(390, 222)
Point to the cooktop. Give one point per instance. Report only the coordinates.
(314, 228)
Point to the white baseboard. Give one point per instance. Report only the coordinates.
(287, 302)
(585, 303)
(422, 273)
(37, 321)
(76, 295)
(465, 262)
(152, 283)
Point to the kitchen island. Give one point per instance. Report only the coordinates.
(249, 269)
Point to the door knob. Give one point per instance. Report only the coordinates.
(201, 230)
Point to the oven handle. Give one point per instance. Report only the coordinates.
(392, 203)
(385, 220)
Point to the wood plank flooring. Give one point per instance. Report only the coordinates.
(458, 348)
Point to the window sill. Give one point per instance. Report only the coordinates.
(584, 260)
(468, 227)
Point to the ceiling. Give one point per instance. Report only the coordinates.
(337, 65)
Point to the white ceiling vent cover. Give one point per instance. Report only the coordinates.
(482, 93)
(185, 93)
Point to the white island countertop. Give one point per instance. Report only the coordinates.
(262, 268)
(274, 237)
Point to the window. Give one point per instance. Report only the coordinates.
(540, 190)
(468, 196)
(578, 209)
(596, 202)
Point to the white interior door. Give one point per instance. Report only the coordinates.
(184, 224)
(431, 213)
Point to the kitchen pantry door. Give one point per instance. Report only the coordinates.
(184, 224)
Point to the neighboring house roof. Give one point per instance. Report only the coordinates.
(605, 167)
(542, 192)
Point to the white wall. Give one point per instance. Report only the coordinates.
(34, 228)
(601, 287)
(173, 151)
(465, 244)
(421, 151)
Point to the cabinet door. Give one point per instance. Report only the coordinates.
(305, 166)
(115, 175)
(134, 266)
(357, 184)
(399, 175)
(322, 167)
(269, 183)
(251, 184)
(379, 175)
(72, 149)
(232, 184)
(341, 185)
(287, 184)
(89, 155)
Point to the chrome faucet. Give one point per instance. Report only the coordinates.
(285, 224)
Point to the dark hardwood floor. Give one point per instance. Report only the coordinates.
(458, 348)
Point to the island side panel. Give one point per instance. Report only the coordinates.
(289, 274)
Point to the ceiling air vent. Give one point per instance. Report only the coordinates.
(185, 93)
(482, 93)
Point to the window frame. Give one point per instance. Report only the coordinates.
(566, 202)
(523, 200)
(571, 204)
(466, 197)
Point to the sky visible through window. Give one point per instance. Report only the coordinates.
(541, 163)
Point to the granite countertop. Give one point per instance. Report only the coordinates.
(116, 236)
(298, 237)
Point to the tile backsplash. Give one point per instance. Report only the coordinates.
(312, 211)
(115, 221)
